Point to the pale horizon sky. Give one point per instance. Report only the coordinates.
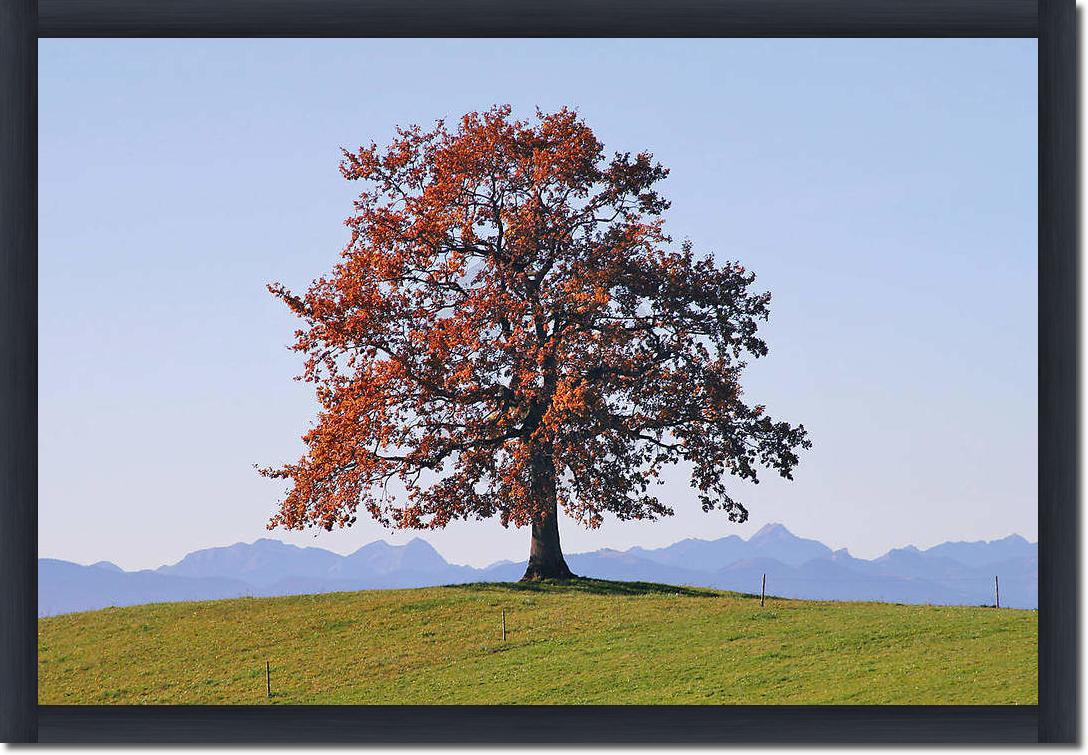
(883, 190)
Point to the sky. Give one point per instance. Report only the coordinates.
(883, 190)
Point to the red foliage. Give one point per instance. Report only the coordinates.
(510, 328)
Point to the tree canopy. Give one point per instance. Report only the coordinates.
(510, 329)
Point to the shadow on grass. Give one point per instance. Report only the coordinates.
(592, 586)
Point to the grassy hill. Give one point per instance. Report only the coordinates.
(586, 642)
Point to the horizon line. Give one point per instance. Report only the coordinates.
(768, 526)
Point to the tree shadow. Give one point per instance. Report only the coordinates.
(591, 586)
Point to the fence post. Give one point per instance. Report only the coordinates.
(763, 591)
(268, 679)
(997, 592)
(504, 625)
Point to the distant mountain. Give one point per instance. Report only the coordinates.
(107, 565)
(828, 579)
(276, 568)
(953, 573)
(702, 555)
(981, 552)
(260, 563)
(414, 564)
(64, 587)
(625, 566)
(777, 542)
(772, 541)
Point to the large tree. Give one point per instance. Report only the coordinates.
(511, 331)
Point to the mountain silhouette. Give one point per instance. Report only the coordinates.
(262, 562)
(981, 552)
(952, 573)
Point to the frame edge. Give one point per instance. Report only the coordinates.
(1058, 371)
(1059, 403)
(526, 725)
(538, 18)
(18, 370)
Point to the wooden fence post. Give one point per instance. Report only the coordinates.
(763, 591)
(268, 679)
(504, 625)
(997, 592)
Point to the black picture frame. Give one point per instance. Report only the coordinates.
(1053, 22)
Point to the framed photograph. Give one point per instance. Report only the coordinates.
(549, 372)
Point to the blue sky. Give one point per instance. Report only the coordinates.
(883, 190)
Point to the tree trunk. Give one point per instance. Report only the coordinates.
(545, 554)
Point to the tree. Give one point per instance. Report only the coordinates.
(510, 330)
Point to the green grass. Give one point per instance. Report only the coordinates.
(585, 642)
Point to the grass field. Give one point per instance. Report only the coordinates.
(586, 642)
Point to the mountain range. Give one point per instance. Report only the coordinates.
(952, 573)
